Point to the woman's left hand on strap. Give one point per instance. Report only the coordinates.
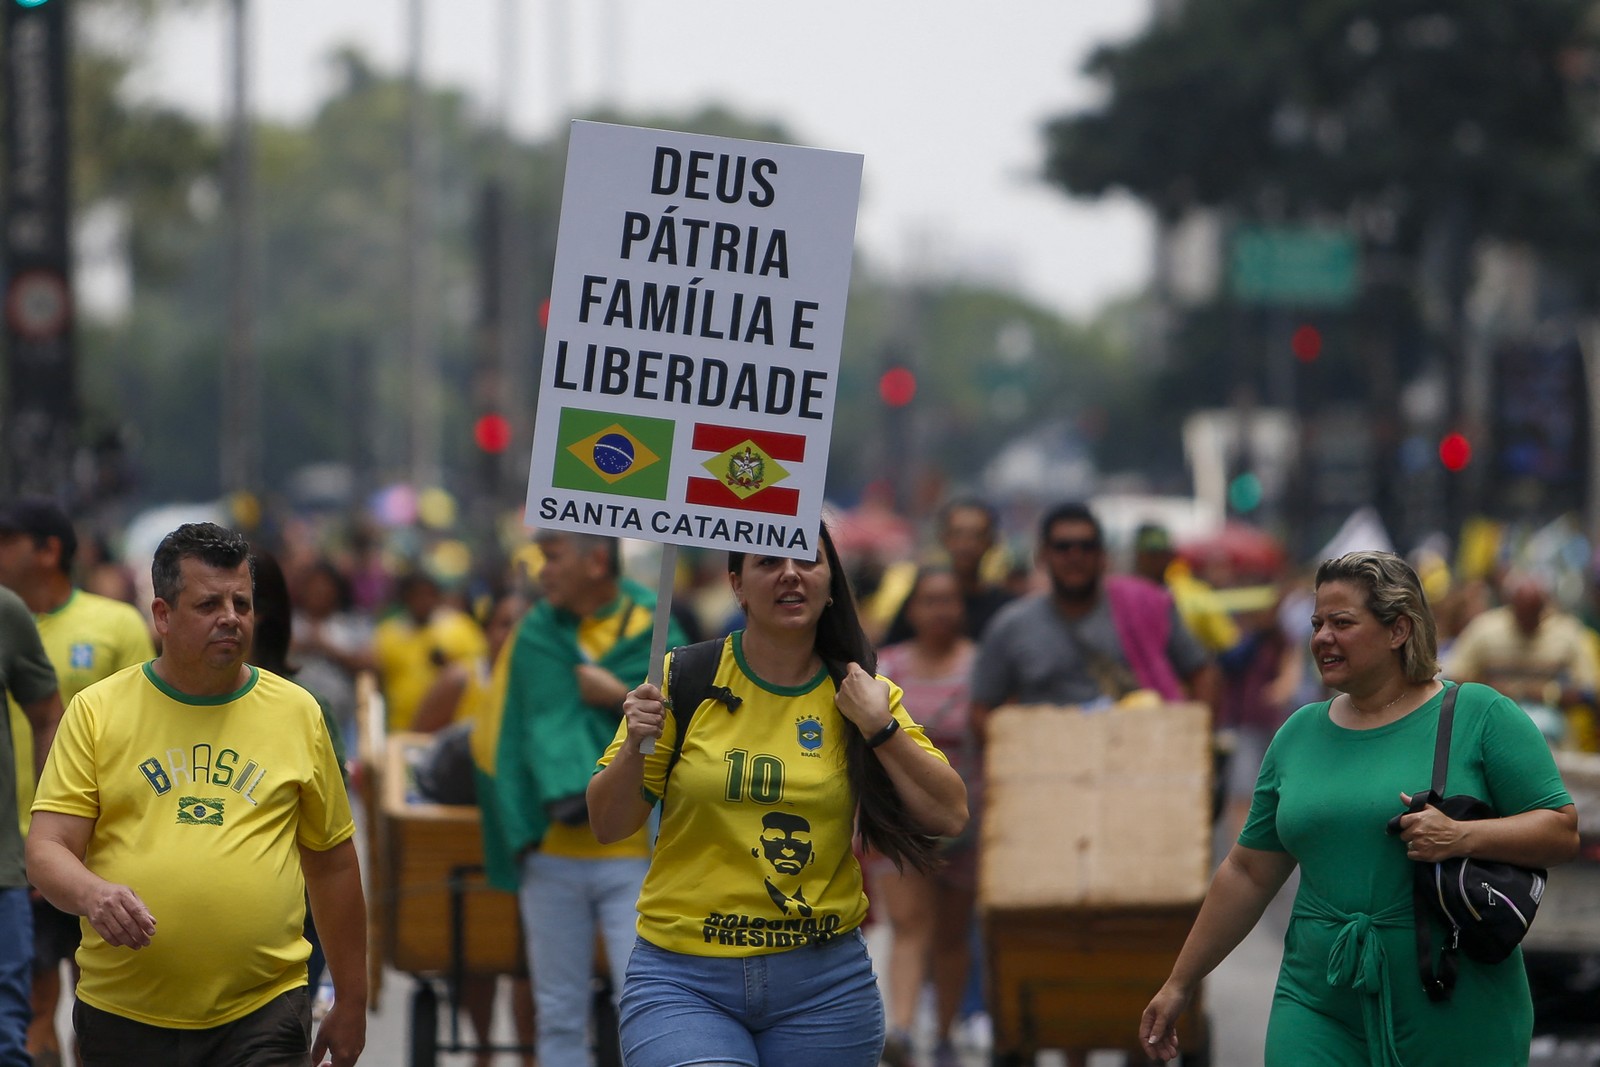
(864, 700)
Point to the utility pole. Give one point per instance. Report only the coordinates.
(239, 436)
(41, 411)
(422, 355)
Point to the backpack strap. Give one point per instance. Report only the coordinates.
(1438, 982)
(691, 674)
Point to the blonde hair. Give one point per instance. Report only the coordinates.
(1393, 591)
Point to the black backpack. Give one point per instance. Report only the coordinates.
(690, 677)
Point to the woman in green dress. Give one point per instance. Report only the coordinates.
(1348, 991)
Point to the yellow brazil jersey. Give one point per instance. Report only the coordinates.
(754, 854)
(408, 657)
(200, 806)
(88, 638)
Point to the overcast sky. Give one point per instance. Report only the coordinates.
(943, 98)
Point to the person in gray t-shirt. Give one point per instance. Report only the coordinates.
(1090, 639)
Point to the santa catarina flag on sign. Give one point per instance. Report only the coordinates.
(746, 469)
(603, 452)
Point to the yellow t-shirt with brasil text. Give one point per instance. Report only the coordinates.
(201, 804)
(754, 854)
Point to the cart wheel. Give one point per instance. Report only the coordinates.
(424, 1025)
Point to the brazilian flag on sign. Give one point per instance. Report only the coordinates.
(603, 452)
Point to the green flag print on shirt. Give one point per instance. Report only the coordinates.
(603, 452)
(197, 811)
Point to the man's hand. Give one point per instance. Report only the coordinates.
(118, 915)
(342, 1035)
(598, 687)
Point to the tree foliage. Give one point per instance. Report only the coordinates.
(1379, 114)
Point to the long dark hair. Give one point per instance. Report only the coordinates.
(881, 817)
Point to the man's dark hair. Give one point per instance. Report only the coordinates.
(969, 503)
(41, 518)
(213, 545)
(1071, 511)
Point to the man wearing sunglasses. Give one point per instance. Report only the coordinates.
(1092, 638)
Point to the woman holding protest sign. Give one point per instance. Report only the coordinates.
(1338, 772)
(749, 947)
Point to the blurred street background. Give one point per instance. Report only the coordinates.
(1279, 278)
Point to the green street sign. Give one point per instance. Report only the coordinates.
(1294, 266)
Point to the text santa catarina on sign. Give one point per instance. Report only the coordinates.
(692, 357)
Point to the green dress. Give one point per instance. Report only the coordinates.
(1348, 993)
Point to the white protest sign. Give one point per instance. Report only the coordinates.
(692, 356)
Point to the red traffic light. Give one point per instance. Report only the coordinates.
(492, 433)
(1455, 451)
(1306, 343)
(897, 387)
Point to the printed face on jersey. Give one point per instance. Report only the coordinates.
(781, 592)
(211, 623)
(1350, 646)
(786, 842)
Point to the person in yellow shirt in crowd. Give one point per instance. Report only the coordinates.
(412, 646)
(87, 638)
(188, 808)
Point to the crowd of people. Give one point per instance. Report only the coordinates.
(834, 773)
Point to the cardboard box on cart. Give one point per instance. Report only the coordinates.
(1095, 855)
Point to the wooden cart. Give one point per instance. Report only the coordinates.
(433, 913)
(1096, 853)
(430, 909)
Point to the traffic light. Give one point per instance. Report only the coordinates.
(897, 386)
(1306, 343)
(1244, 492)
(492, 433)
(1455, 451)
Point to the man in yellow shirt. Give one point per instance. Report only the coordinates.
(412, 646)
(87, 638)
(206, 795)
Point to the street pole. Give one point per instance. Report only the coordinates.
(239, 438)
(422, 357)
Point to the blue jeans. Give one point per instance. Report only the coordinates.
(564, 902)
(16, 976)
(816, 1006)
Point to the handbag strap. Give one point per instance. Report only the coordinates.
(1441, 744)
(1438, 982)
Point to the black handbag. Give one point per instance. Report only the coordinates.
(1484, 906)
